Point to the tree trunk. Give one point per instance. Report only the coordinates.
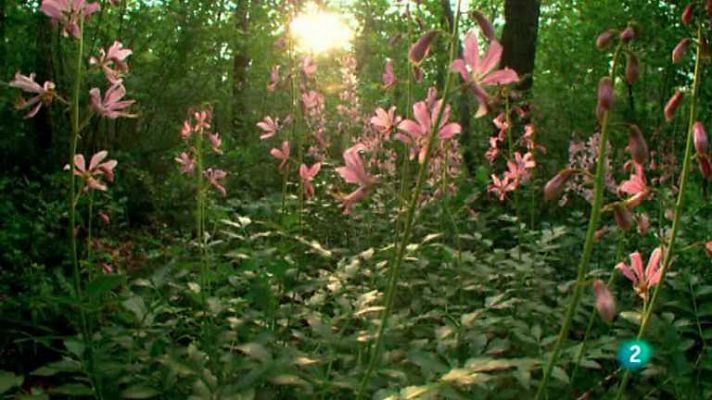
(519, 38)
(240, 62)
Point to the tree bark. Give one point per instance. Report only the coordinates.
(241, 61)
(519, 38)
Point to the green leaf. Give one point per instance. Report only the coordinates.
(8, 380)
(67, 366)
(139, 392)
(104, 284)
(136, 305)
(73, 389)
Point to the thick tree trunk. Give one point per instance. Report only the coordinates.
(240, 62)
(519, 38)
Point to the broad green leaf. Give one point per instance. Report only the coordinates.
(8, 380)
(73, 389)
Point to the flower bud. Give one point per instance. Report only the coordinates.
(605, 303)
(636, 145)
(708, 248)
(700, 138)
(623, 216)
(606, 97)
(632, 69)
(605, 38)
(421, 48)
(555, 187)
(628, 34)
(680, 50)
(688, 14)
(485, 25)
(672, 105)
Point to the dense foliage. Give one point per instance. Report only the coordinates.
(196, 205)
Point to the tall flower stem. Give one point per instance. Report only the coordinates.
(679, 204)
(200, 213)
(394, 272)
(75, 122)
(588, 244)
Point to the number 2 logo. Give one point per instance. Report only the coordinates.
(635, 349)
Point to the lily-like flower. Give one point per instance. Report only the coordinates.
(113, 62)
(69, 13)
(643, 280)
(389, 76)
(43, 94)
(385, 121)
(187, 130)
(97, 168)
(111, 106)
(605, 303)
(215, 142)
(282, 154)
(214, 176)
(480, 72)
(355, 172)
(308, 174)
(500, 187)
(269, 127)
(186, 162)
(417, 133)
(636, 187)
(519, 168)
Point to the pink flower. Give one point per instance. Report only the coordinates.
(43, 94)
(215, 142)
(485, 25)
(480, 72)
(111, 106)
(520, 166)
(282, 154)
(389, 76)
(97, 168)
(214, 176)
(355, 172)
(274, 79)
(312, 99)
(113, 62)
(501, 187)
(203, 119)
(187, 130)
(385, 121)
(107, 268)
(643, 223)
(308, 66)
(308, 174)
(636, 187)
(708, 248)
(605, 303)
(643, 280)
(269, 126)
(493, 151)
(417, 133)
(69, 13)
(186, 162)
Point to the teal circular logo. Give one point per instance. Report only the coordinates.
(635, 354)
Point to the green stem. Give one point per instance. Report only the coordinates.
(200, 213)
(588, 244)
(679, 205)
(89, 226)
(410, 217)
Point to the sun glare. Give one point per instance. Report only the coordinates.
(318, 31)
